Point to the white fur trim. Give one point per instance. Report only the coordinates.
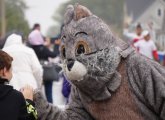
(77, 72)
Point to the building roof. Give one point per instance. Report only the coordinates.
(137, 7)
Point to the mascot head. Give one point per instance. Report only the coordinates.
(89, 50)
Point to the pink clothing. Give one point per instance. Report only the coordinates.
(35, 38)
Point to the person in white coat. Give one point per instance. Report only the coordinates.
(26, 66)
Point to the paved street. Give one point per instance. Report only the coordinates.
(58, 98)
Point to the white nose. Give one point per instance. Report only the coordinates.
(76, 72)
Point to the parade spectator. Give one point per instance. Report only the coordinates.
(36, 41)
(35, 37)
(56, 41)
(66, 88)
(133, 37)
(147, 47)
(12, 102)
(26, 66)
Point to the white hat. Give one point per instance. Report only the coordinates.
(145, 33)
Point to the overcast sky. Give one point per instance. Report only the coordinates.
(41, 11)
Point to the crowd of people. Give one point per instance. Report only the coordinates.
(142, 41)
(21, 71)
(41, 47)
(21, 65)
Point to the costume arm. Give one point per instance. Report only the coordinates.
(154, 89)
(75, 110)
(149, 77)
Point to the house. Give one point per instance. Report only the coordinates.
(150, 13)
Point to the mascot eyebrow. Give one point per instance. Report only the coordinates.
(80, 33)
(76, 34)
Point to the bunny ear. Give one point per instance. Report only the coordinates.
(81, 12)
(68, 16)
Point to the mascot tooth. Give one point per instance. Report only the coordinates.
(109, 79)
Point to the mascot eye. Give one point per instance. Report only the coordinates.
(63, 52)
(82, 48)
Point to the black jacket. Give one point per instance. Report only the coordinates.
(42, 52)
(12, 104)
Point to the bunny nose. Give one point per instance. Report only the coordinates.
(70, 64)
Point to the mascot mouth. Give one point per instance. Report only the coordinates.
(75, 70)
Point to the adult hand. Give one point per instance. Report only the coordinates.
(27, 92)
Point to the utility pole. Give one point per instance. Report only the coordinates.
(3, 18)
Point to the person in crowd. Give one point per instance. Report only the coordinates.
(25, 64)
(66, 86)
(66, 89)
(146, 46)
(133, 37)
(56, 41)
(37, 42)
(12, 102)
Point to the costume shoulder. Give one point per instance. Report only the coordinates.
(147, 79)
(144, 66)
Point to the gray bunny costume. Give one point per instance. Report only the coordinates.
(110, 81)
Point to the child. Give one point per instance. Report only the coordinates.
(147, 47)
(12, 103)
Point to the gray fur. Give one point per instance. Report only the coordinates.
(146, 78)
(69, 14)
(103, 59)
(101, 68)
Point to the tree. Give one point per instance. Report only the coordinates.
(15, 17)
(111, 11)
